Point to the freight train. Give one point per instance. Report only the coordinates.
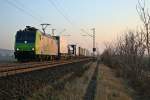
(32, 44)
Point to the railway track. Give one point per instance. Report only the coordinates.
(19, 63)
(33, 66)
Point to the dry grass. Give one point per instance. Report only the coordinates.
(76, 89)
(72, 90)
(109, 86)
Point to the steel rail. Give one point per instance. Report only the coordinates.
(26, 65)
(18, 63)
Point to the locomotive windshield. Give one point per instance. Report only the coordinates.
(28, 36)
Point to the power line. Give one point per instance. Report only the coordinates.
(65, 12)
(22, 10)
(23, 6)
(65, 17)
(61, 7)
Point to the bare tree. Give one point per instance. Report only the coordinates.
(144, 14)
(129, 53)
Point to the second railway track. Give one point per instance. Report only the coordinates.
(28, 67)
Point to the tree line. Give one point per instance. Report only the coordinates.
(130, 54)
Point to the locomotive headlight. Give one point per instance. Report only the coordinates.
(17, 49)
(33, 49)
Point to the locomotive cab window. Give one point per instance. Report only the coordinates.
(28, 36)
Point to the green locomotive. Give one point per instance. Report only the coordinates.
(31, 44)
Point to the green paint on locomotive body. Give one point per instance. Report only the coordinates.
(24, 46)
(36, 43)
(34, 46)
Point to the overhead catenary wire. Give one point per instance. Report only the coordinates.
(22, 10)
(86, 33)
(62, 8)
(60, 12)
(64, 11)
(30, 10)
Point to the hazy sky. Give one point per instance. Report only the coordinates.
(109, 17)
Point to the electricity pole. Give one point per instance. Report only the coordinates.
(53, 32)
(94, 49)
(93, 37)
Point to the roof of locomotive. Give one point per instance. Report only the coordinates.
(29, 28)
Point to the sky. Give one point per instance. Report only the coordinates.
(109, 17)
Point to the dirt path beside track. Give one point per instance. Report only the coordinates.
(110, 87)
